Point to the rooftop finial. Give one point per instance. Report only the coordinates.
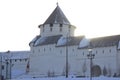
(57, 3)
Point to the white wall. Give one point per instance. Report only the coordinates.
(56, 30)
(53, 59)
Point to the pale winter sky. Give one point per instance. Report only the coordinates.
(19, 19)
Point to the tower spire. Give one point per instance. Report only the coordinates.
(57, 16)
(57, 3)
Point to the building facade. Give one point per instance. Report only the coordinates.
(13, 64)
(56, 39)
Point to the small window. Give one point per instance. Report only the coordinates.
(2, 67)
(15, 60)
(69, 28)
(20, 59)
(39, 50)
(51, 25)
(60, 51)
(60, 28)
(50, 28)
(103, 51)
(33, 51)
(73, 50)
(61, 25)
(25, 60)
(83, 53)
(43, 28)
(50, 49)
(44, 49)
(110, 50)
(96, 52)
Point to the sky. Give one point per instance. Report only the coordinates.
(19, 19)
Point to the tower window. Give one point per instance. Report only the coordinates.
(103, 51)
(39, 50)
(44, 49)
(60, 51)
(2, 67)
(110, 50)
(96, 52)
(15, 60)
(69, 28)
(50, 28)
(73, 50)
(50, 49)
(51, 25)
(61, 27)
(83, 53)
(43, 28)
(33, 51)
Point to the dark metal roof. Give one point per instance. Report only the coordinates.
(57, 17)
(105, 41)
(94, 42)
(73, 41)
(46, 40)
(38, 41)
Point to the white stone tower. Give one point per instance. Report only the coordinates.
(56, 24)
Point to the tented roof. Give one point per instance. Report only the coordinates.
(57, 17)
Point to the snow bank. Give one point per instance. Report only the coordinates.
(16, 73)
(61, 78)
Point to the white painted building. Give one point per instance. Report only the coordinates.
(13, 64)
(56, 37)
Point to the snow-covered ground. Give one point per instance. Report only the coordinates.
(59, 78)
(25, 76)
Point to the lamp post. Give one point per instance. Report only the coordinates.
(90, 56)
(7, 69)
(10, 68)
(66, 57)
(8, 65)
(1, 67)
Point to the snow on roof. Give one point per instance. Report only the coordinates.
(62, 41)
(45, 40)
(40, 40)
(15, 54)
(34, 40)
(84, 43)
(71, 41)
